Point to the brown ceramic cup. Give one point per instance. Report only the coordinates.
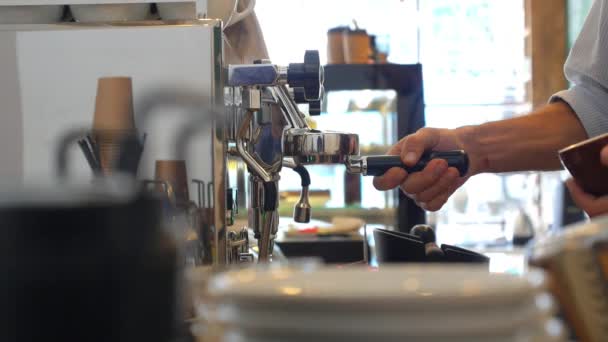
(583, 162)
(174, 173)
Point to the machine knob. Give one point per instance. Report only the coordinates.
(307, 75)
(299, 96)
(314, 107)
(427, 235)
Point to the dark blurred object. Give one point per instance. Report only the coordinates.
(129, 157)
(398, 247)
(420, 246)
(565, 210)
(88, 266)
(523, 228)
(583, 162)
(332, 249)
(352, 189)
(427, 235)
(87, 146)
(406, 81)
(458, 254)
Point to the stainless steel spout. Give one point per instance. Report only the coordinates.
(302, 209)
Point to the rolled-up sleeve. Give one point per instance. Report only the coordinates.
(587, 69)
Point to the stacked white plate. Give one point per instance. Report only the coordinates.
(399, 303)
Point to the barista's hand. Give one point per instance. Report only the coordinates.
(592, 205)
(431, 187)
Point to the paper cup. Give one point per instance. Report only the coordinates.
(357, 49)
(335, 45)
(175, 173)
(109, 145)
(114, 105)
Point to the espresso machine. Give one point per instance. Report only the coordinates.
(267, 131)
(256, 120)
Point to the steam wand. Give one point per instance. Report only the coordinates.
(302, 209)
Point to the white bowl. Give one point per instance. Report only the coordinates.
(177, 10)
(110, 12)
(30, 14)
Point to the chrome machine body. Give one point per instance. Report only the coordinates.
(267, 131)
(264, 129)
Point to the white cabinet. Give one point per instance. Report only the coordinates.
(48, 80)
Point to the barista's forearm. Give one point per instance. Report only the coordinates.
(528, 142)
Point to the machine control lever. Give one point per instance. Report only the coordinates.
(314, 106)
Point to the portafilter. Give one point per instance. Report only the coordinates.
(309, 146)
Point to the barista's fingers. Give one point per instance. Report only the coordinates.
(414, 145)
(592, 205)
(395, 150)
(444, 185)
(459, 182)
(391, 179)
(436, 203)
(421, 181)
(604, 155)
(580, 197)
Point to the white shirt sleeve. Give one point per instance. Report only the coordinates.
(587, 69)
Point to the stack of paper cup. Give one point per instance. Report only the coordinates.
(113, 120)
(174, 173)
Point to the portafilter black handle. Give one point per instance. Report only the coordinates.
(379, 165)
